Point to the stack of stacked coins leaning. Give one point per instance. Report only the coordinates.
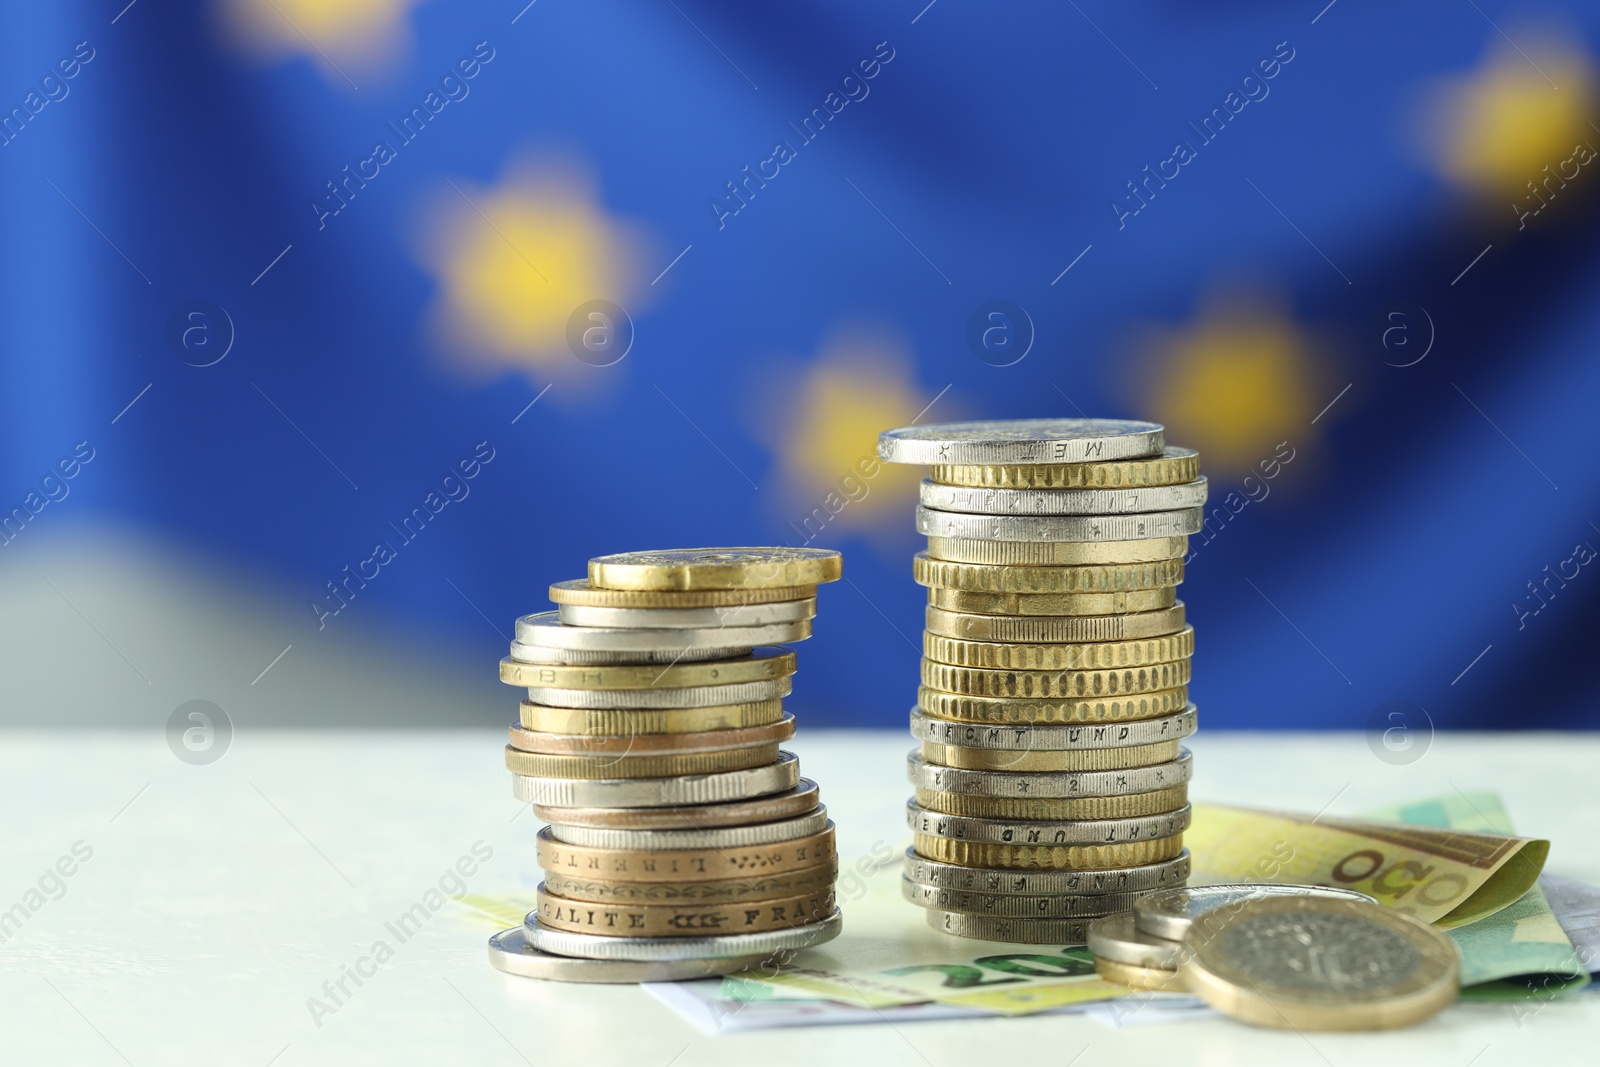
(1051, 782)
(1300, 957)
(682, 841)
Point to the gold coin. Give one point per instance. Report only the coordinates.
(1031, 604)
(1044, 759)
(974, 681)
(978, 578)
(685, 864)
(761, 664)
(1056, 553)
(1016, 710)
(715, 568)
(699, 919)
(1317, 963)
(534, 765)
(1047, 857)
(786, 805)
(525, 740)
(580, 592)
(1085, 656)
(726, 891)
(630, 722)
(1173, 467)
(1054, 629)
(1136, 977)
(1053, 809)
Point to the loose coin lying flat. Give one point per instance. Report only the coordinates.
(1063, 501)
(1055, 809)
(628, 722)
(1114, 681)
(762, 664)
(546, 630)
(1044, 883)
(1033, 528)
(1049, 629)
(1013, 906)
(981, 578)
(1172, 467)
(797, 801)
(1019, 441)
(1055, 553)
(1150, 978)
(1050, 760)
(684, 864)
(924, 775)
(1080, 832)
(579, 591)
(1024, 737)
(767, 833)
(1118, 603)
(1021, 931)
(716, 568)
(685, 618)
(1172, 913)
(693, 696)
(683, 790)
(580, 886)
(1116, 938)
(510, 951)
(534, 765)
(650, 744)
(687, 919)
(1109, 655)
(942, 705)
(1047, 857)
(1311, 963)
(642, 949)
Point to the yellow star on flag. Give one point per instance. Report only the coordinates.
(347, 39)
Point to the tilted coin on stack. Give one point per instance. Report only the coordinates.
(1145, 946)
(682, 841)
(1054, 697)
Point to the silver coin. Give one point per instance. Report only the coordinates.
(1015, 442)
(688, 618)
(994, 880)
(1032, 832)
(510, 951)
(650, 949)
(1063, 932)
(1172, 912)
(766, 833)
(578, 657)
(1023, 737)
(1062, 501)
(1056, 528)
(924, 775)
(688, 696)
(775, 777)
(1116, 938)
(1013, 905)
(547, 631)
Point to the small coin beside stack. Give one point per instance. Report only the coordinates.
(1051, 779)
(682, 841)
(1297, 957)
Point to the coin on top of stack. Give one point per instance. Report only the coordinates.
(682, 841)
(1051, 778)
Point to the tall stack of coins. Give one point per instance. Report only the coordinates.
(1051, 782)
(682, 841)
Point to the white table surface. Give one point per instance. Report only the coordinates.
(219, 898)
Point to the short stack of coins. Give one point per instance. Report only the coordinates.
(1051, 782)
(682, 841)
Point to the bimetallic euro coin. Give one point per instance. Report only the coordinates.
(1027, 832)
(1117, 938)
(688, 618)
(1084, 656)
(1172, 467)
(1024, 737)
(511, 952)
(683, 918)
(546, 630)
(633, 722)
(1020, 441)
(1055, 553)
(1051, 760)
(807, 825)
(693, 696)
(1047, 857)
(786, 805)
(942, 705)
(580, 886)
(1055, 809)
(1035, 528)
(761, 664)
(1064, 932)
(643, 949)
(1173, 913)
(1150, 978)
(1120, 602)
(1013, 906)
(650, 744)
(1063, 501)
(775, 777)
(924, 775)
(579, 657)
(1115, 881)
(579, 591)
(716, 568)
(981, 578)
(1055, 628)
